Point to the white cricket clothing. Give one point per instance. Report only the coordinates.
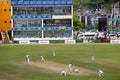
(63, 73)
(28, 58)
(76, 70)
(100, 73)
(92, 58)
(42, 59)
(70, 67)
(54, 53)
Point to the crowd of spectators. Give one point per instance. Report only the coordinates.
(27, 34)
(38, 34)
(42, 10)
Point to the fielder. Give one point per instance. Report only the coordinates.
(100, 73)
(63, 72)
(42, 59)
(54, 52)
(70, 67)
(92, 58)
(28, 58)
(76, 70)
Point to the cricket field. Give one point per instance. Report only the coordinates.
(13, 65)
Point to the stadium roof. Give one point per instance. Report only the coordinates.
(41, 2)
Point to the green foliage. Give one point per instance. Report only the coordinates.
(76, 22)
(93, 4)
(77, 4)
(92, 27)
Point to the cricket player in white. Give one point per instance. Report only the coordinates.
(100, 73)
(76, 70)
(54, 53)
(28, 58)
(63, 72)
(70, 67)
(92, 58)
(42, 59)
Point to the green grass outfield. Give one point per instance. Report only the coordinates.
(107, 58)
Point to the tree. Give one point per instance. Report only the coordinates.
(97, 4)
(77, 4)
(76, 23)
